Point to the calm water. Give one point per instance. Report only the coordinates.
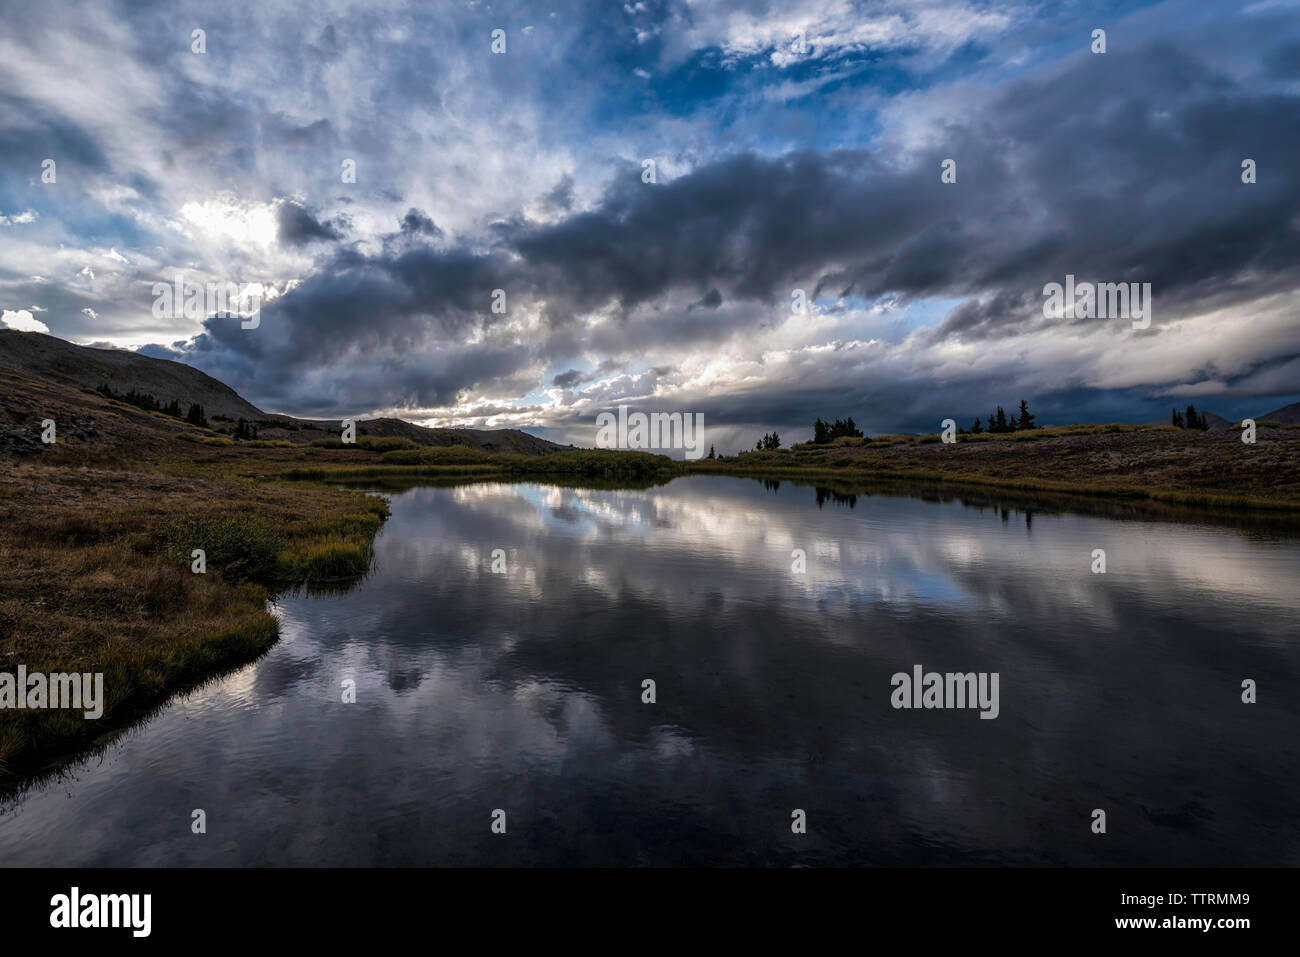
(522, 691)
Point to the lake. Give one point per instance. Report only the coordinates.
(521, 690)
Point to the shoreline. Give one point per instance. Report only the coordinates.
(98, 577)
(97, 574)
(1189, 500)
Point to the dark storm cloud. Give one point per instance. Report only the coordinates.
(1043, 189)
(1121, 169)
(567, 380)
(29, 134)
(710, 300)
(560, 199)
(417, 223)
(977, 317)
(298, 226)
(277, 128)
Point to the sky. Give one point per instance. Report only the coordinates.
(467, 236)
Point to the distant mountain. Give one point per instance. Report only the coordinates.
(57, 364)
(56, 360)
(1214, 421)
(490, 440)
(1287, 415)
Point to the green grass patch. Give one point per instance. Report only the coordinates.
(239, 547)
(324, 561)
(439, 455)
(443, 461)
(369, 443)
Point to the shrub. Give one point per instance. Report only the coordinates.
(439, 455)
(240, 548)
(326, 560)
(369, 443)
(386, 443)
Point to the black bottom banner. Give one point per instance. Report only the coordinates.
(139, 907)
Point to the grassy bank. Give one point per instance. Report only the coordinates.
(97, 577)
(941, 478)
(1214, 470)
(1163, 464)
(452, 462)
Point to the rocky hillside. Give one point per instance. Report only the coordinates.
(42, 377)
(490, 440)
(38, 356)
(1287, 415)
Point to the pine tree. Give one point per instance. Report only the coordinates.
(976, 429)
(1026, 420)
(824, 432)
(195, 415)
(712, 453)
(1002, 421)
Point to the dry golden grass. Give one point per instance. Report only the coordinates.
(95, 577)
(1162, 463)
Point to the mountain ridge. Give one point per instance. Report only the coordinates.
(57, 362)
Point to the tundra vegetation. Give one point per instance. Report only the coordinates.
(98, 576)
(97, 560)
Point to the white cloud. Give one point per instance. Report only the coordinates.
(834, 28)
(90, 313)
(233, 220)
(22, 320)
(27, 216)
